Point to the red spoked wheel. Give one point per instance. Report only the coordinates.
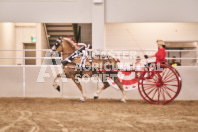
(159, 84)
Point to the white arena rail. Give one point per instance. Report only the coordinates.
(27, 66)
(24, 50)
(24, 58)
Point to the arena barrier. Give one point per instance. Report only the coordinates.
(22, 81)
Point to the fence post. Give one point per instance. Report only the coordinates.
(61, 79)
(23, 73)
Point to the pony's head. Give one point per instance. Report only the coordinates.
(65, 46)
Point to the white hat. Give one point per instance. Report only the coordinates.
(138, 58)
(160, 42)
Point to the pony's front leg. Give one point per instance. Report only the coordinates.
(83, 95)
(56, 86)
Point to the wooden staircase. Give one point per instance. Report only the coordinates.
(54, 30)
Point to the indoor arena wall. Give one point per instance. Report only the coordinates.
(133, 36)
(12, 85)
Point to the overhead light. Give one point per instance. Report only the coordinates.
(98, 1)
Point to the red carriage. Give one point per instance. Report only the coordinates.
(157, 83)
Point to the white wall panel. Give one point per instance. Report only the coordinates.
(116, 11)
(11, 82)
(127, 11)
(70, 90)
(65, 11)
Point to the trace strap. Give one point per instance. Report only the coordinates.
(81, 51)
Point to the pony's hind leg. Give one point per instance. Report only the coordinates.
(121, 88)
(56, 86)
(106, 85)
(83, 96)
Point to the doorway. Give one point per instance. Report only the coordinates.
(30, 53)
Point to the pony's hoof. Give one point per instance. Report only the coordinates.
(81, 101)
(58, 88)
(95, 97)
(123, 101)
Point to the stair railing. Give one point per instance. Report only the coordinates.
(46, 35)
(77, 32)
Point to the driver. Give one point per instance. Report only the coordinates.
(161, 54)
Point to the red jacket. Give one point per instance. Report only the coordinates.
(160, 55)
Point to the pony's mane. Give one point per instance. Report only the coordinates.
(71, 43)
